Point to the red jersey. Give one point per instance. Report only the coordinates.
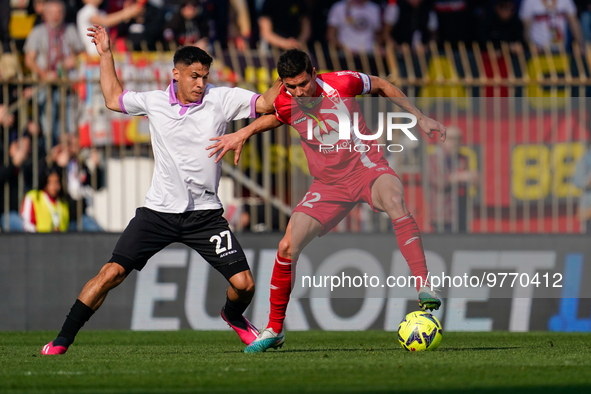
(330, 158)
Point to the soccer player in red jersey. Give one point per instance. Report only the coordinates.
(343, 176)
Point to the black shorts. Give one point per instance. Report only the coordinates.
(206, 232)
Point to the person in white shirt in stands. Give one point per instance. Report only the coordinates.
(182, 204)
(354, 24)
(90, 15)
(545, 22)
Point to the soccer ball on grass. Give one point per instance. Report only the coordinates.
(420, 331)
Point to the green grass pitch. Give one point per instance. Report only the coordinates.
(310, 362)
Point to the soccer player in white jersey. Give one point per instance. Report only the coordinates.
(182, 204)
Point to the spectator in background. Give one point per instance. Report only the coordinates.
(411, 22)
(502, 25)
(285, 24)
(35, 10)
(189, 26)
(90, 15)
(546, 22)
(354, 25)
(240, 30)
(85, 173)
(455, 21)
(231, 21)
(19, 175)
(9, 66)
(38, 6)
(21, 19)
(46, 210)
(50, 53)
(449, 179)
(111, 6)
(17, 153)
(9, 175)
(147, 27)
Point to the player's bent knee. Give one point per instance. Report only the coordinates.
(248, 288)
(285, 248)
(394, 203)
(112, 274)
(245, 286)
(242, 280)
(243, 283)
(397, 200)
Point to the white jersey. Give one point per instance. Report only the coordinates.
(185, 179)
(356, 24)
(548, 26)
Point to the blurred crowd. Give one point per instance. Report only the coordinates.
(358, 25)
(34, 196)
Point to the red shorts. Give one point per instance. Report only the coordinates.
(330, 203)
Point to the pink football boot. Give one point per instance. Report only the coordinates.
(247, 336)
(49, 349)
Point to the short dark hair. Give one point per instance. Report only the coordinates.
(190, 54)
(292, 63)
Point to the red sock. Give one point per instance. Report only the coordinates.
(280, 291)
(411, 246)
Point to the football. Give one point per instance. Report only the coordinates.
(420, 331)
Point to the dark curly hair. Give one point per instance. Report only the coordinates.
(292, 63)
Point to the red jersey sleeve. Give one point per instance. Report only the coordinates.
(282, 106)
(351, 83)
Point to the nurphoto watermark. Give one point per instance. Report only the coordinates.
(325, 131)
(355, 125)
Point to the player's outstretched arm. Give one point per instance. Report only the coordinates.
(110, 84)
(264, 104)
(236, 141)
(386, 89)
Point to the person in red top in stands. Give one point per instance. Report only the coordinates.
(343, 176)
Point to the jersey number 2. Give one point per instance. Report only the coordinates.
(218, 240)
(315, 197)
